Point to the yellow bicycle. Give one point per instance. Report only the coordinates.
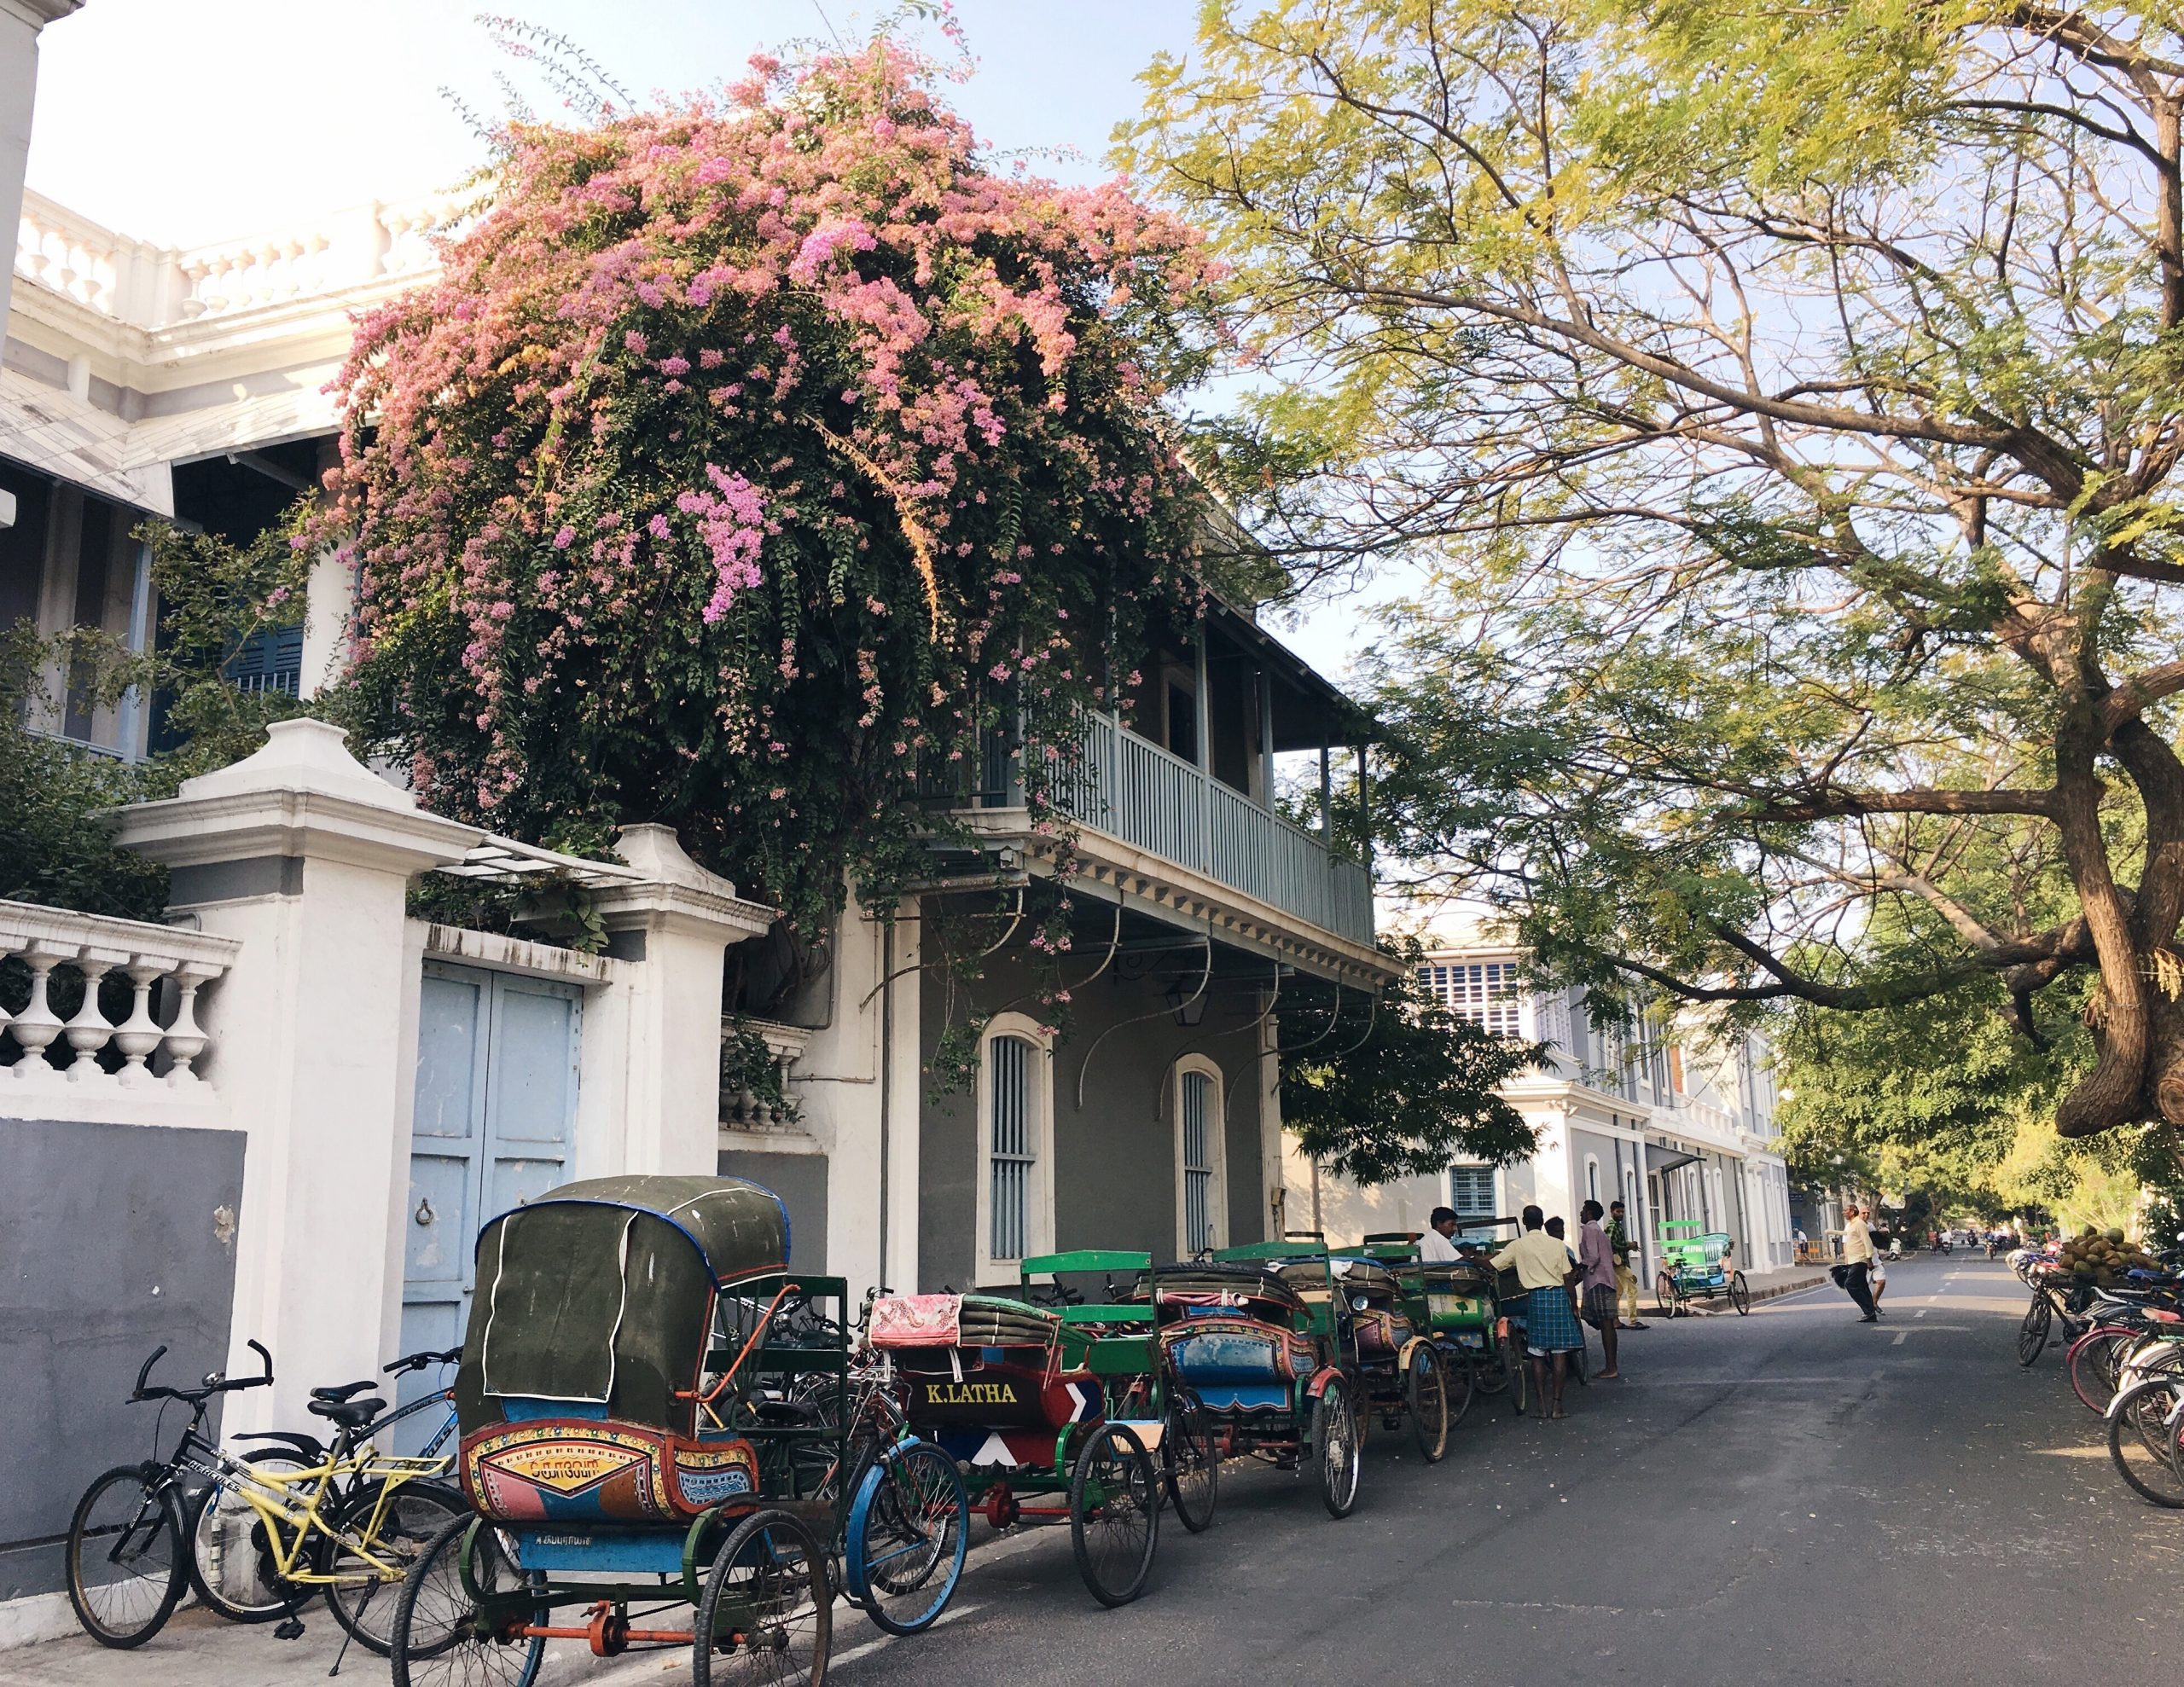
(280, 1523)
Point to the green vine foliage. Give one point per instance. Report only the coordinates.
(749, 461)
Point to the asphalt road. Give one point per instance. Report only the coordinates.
(1791, 1496)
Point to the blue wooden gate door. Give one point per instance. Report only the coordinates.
(494, 1119)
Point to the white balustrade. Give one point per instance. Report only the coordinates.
(744, 1108)
(159, 1043)
(157, 286)
(1131, 788)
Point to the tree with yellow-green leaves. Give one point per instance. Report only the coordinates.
(1779, 410)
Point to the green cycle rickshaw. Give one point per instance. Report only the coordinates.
(1696, 1261)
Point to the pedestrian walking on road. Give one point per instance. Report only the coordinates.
(1626, 1280)
(1552, 1332)
(1879, 1281)
(1853, 1275)
(1596, 1257)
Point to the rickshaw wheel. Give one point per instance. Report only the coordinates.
(767, 1611)
(1335, 1455)
(1668, 1297)
(904, 1543)
(1740, 1293)
(1490, 1367)
(1520, 1373)
(1190, 1464)
(435, 1641)
(1460, 1378)
(1425, 1391)
(1114, 1514)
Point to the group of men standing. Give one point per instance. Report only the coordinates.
(1561, 1284)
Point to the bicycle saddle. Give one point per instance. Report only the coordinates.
(346, 1391)
(349, 1414)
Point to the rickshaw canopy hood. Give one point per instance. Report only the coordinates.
(740, 1229)
(601, 1295)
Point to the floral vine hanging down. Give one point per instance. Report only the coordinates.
(751, 456)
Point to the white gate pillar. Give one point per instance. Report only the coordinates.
(677, 923)
(306, 857)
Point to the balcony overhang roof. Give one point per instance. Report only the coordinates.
(1108, 869)
(1315, 709)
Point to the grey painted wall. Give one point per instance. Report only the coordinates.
(111, 1241)
(1114, 1158)
(800, 1179)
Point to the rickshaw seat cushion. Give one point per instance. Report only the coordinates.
(586, 1470)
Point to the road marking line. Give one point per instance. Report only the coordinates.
(1921, 1313)
(879, 1642)
(1900, 1335)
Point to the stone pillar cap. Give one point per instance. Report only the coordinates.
(302, 795)
(676, 893)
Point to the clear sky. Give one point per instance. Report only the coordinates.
(184, 122)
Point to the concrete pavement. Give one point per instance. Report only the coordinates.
(1793, 1496)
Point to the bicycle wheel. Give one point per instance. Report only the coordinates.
(2091, 1363)
(231, 1555)
(903, 1545)
(397, 1533)
(1740, 1293)
(1426, 1393)
(767, 1614)
(443, 1635)
(2143, 1426)
(1459, 1375)
(1667, 1300)
(126, 1565)
(1489, 1365)
(2032, 1333)
(1190, 1464)
(1520, 1373)
(1335, 1455)
(1114, 1514)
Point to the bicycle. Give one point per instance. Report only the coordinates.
(248, 1572)
(127, 1561)
(337, 1519)
(2145, 1438)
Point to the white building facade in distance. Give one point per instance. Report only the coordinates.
(1675, 1121)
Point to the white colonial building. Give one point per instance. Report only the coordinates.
(1675, 1120)
(281, 1113)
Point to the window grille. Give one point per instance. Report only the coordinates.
(1008, 1069)
(1483, 991)
(1198, 1162)
(1471, 1191)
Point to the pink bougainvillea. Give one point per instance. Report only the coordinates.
(736, 439)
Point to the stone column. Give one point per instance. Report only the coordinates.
(306, 857)
(678, 922)
(21, 21)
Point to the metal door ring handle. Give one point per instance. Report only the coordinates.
(424, 1212)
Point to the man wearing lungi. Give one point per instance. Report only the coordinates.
(1552, 1331)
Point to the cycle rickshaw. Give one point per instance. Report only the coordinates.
(633, 1480)
(1054, 1412)
(1475, 1312)
(1695, 1262)
(1261, 1338)
(1400, 1374)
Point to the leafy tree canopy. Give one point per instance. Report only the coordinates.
(1375, 1091)
(751, 455)
(1781, 408)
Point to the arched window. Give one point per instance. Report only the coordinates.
(1201, 1157)
(1593, 1178)
(1015, 1112)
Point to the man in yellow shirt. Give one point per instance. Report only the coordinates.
(1545, 1271)
(1858, 1264)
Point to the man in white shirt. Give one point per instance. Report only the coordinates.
(1436, 1243)
(1858, 1264)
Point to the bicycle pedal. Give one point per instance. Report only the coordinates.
(288, 1628)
